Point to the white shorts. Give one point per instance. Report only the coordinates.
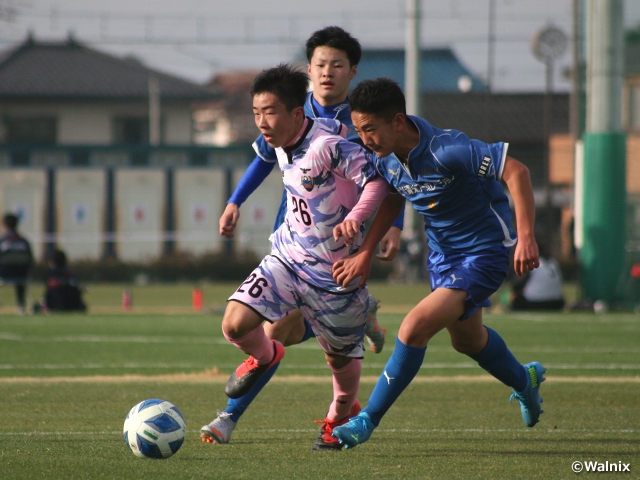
(337, 320)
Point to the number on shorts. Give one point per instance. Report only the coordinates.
(255, 290)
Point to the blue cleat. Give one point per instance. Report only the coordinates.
(529, 399)
(356, 431)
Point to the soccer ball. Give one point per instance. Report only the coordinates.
(154, 429)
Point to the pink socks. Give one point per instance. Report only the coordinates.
(255, 343)
(346, 382)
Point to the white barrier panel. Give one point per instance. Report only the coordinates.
(80, 195)
(258, 213)
(140, 206)
(23, 193)
(199, 203)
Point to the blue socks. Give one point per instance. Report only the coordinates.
(237, 406)
(403, 365)
(500, 362)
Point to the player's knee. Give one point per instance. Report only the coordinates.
(236, 323)
(467, 346)
(337, 361)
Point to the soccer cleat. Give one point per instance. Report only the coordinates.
(248, 373)
(356, 431)
(325, 441)
(529, 399)
(218, 431)
(372, 329)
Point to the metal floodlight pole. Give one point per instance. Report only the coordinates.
(412, 83)
(412, 58)
(547, 45)
(604, 202)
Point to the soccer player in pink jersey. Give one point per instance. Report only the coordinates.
(329, 181)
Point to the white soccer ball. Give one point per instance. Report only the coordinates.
(154, 429)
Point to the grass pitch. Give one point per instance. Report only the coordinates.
(67, 382)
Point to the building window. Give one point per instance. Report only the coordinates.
(31, 130)
(131, 130)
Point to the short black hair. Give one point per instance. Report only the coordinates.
(10, 221)
(59, 259)
(381, 97)
(285, 82)
(335, 37)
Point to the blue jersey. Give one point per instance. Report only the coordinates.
(454, 183)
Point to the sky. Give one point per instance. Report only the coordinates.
(196, 39)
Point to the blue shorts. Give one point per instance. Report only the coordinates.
(480, 275)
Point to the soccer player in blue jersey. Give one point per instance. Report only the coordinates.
(333, 56)
(454, 183)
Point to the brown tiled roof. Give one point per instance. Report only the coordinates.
(70, 70)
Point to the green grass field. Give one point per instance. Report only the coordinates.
(67, 382)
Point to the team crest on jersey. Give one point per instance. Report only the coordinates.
(307, 181)
(484, 166)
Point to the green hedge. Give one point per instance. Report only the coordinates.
(177, 268)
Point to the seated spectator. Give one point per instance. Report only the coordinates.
(541, 288)
(63, 293)
(15, 259)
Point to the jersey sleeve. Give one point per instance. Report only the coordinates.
(351, 161)
(458, 154)
(488, 159)
(265, 151)
(334, 126)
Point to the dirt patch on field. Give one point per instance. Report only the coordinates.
(213, 376)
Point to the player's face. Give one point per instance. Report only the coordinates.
(330, 73)
(277, 125)
(376, 133)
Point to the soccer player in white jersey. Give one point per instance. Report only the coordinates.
(333, 56)
(329, 181)
(454, 183)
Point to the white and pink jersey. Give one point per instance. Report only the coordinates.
(323, 175)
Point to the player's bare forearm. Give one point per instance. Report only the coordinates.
(385, 216)
(345, 270)
(516, 176)
(229, 219)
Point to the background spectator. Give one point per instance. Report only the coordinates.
(15, 259)
(539, 289)
(63, 293)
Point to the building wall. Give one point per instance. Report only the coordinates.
(80, 212)
(200, 196)
(87, 123)
(140, 195)
(258, 213)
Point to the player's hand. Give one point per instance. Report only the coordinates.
(347, 269)
(229, 219)
(390, 244)
(349, 229)
(525, 256)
